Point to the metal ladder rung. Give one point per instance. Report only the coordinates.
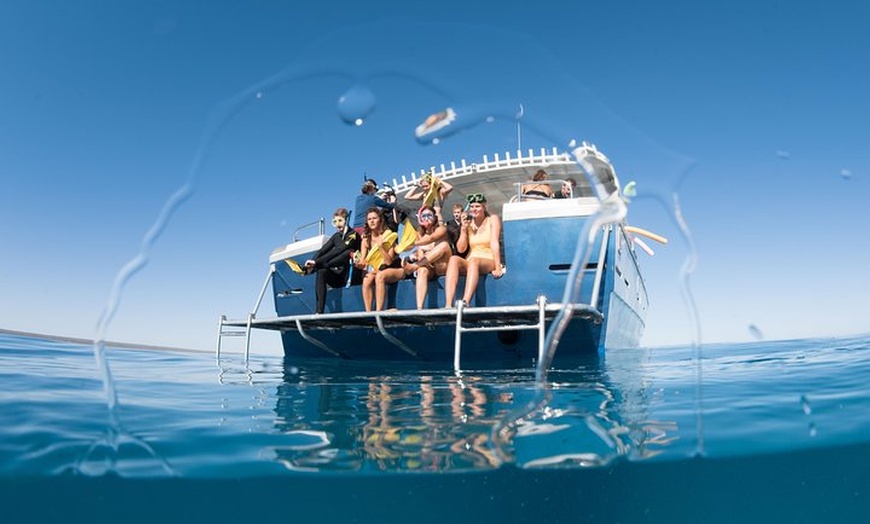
(233, 333)
(539, 326)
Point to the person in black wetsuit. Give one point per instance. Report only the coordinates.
(332, 261)
(393, 217)
(453, 228)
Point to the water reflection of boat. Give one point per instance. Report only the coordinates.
(510, 315)
(420, 420)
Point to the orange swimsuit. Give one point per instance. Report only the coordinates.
(479, 242)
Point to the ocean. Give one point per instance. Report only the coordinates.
(760, 432)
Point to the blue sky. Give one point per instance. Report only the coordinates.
(755, 112)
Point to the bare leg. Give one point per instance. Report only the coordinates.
(472, 274)
(475, 266)
(422, 286)
(455, 266)
(367, 291)
(439, 252)
(380, 291)
(387, 276)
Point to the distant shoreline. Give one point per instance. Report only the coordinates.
(88, 342)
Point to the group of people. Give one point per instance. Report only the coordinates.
(540, 188)
(468, 245)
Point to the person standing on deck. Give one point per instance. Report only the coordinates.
(367, 199)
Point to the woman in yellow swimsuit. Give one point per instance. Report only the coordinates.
(374, 238)
(479, 234)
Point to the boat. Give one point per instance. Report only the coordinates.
(509, 317)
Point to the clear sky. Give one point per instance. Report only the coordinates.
(755, 112)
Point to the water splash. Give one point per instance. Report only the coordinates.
(356, 104)
(494, 100)
(805, 405)
(807, 410)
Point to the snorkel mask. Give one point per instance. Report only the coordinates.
(426, 217)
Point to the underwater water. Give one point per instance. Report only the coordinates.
(772, 432)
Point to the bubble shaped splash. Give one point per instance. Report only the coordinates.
(356, 104)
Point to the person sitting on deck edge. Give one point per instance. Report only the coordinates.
(332, 261)
(480, 236)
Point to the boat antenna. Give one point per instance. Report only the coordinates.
(520, 129)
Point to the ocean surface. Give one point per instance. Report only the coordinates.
(761, 432)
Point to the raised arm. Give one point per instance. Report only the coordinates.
(440, 233)
(446, 188)
(462, 241)
(415, 193)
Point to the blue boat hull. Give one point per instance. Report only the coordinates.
(532, 272)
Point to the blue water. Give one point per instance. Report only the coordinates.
(774, 432)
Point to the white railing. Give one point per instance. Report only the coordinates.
(454, 170)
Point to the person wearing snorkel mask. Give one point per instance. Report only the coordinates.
(433, 252)
(332, 262)
(479, 234)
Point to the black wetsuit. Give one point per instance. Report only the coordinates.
(332, 263)
(453, 236)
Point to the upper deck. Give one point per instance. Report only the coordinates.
(499, 177)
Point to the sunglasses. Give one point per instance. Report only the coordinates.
(427, 216)
(475, 197)
(338, 221)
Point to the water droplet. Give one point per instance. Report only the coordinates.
(812, 430)
(755, 332)
(436, 141)
(259, 94)
(784, 155)
(846, 173)
(356, 104)
(630, 189)
(805, 405)
(490, 119)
